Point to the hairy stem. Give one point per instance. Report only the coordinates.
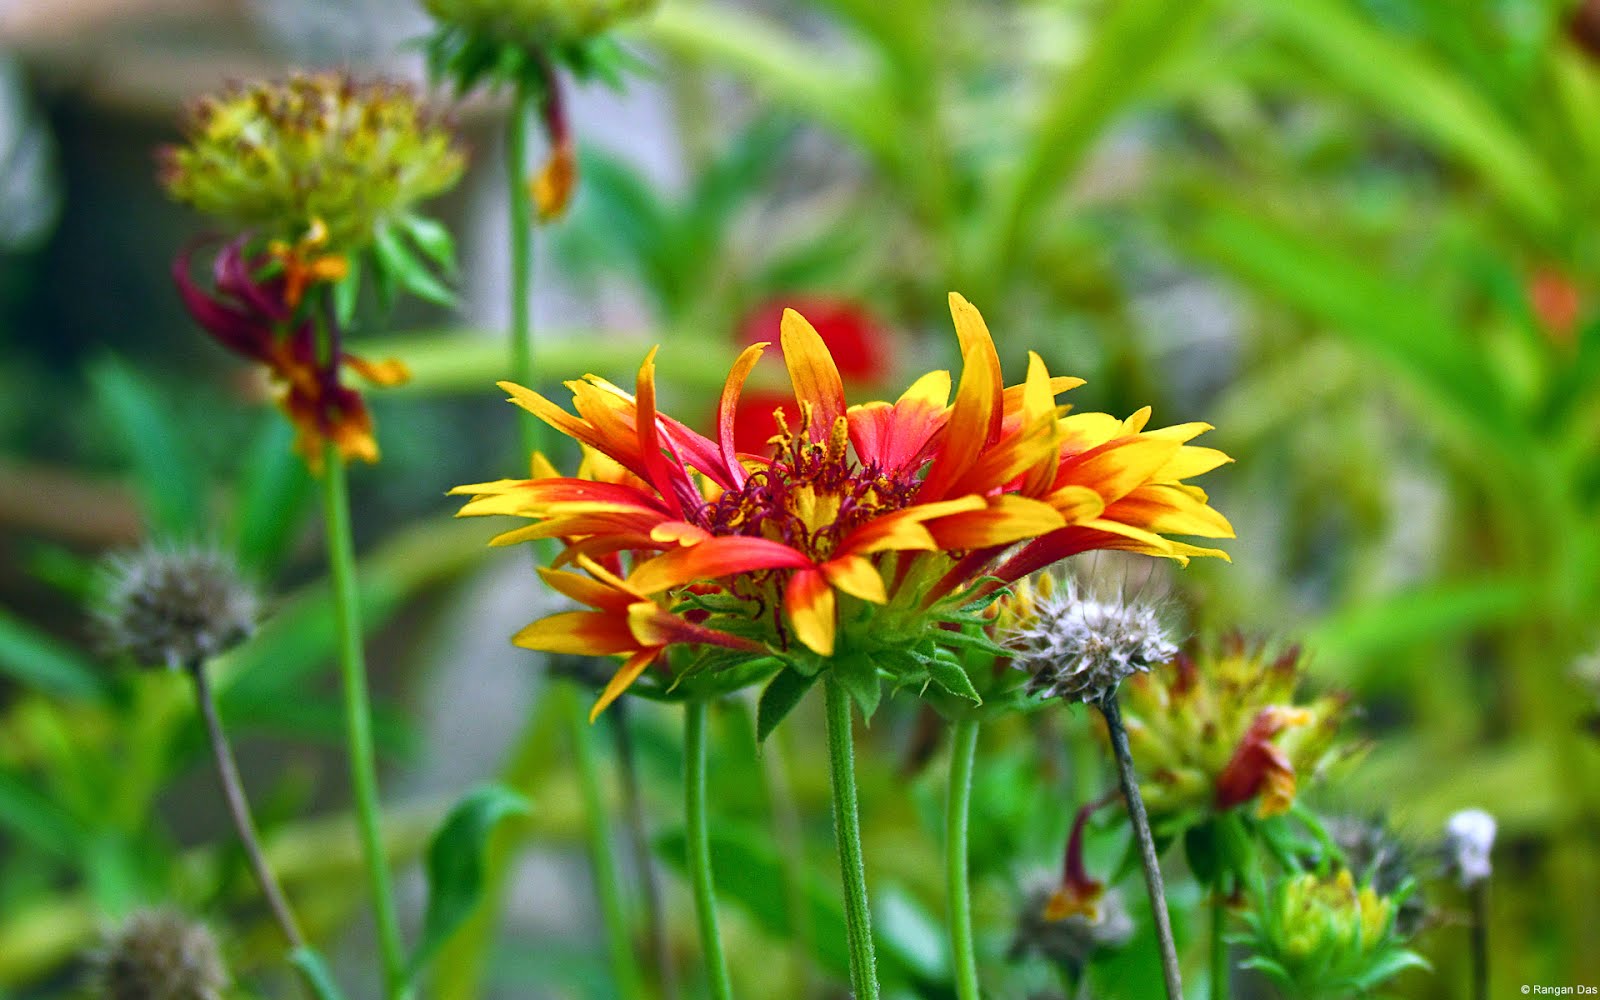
(1147, 845)
(1221, 969)
(358, 716)
(239, 809)
(699, 840)
(958, 801)
(847, 840)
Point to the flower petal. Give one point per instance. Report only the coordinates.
(728, 410)
(856, 576)
(815, 376)
(623, 679)
(810, 604)
(712, 558)
(976, 417)
(1007, 518)
(894, 437)
(586, 633)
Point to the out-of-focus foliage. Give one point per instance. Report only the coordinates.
(1356, 235)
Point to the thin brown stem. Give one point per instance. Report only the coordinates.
(1147, 845)
(239, 809)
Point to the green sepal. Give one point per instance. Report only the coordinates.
(860, 678)
(780, 697)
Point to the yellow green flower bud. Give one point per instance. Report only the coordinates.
(1220, 726)
(536, 23)
(312, 153)
(1321, 937)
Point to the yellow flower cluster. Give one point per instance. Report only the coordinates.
(314, 152)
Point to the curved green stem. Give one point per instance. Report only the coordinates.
(963, 750)
(847, 840)
(521, 203)
(358, 716)
(1147, 845)
(597, 830)
(699, 839)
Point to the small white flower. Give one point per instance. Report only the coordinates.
(1079, 648)
(1469, 837)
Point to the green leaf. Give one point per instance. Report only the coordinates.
(346, 295)
(35, 819)
(315, 973)
(1405, 83)
(456, 861)
(952, 676)
(166, 477)
(397, 261)
(434, 240)
(779, 699)
(38, 661)
(859, 677)
(274, 493)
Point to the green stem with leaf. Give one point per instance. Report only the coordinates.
(699, 843)
(847, 840)
(958, 802)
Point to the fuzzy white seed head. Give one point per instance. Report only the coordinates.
(175, 607)
(1469, 838)
(1079, 648)
(159, 955)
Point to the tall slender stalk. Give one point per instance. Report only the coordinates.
(1479, 896)
(639, 845)
(239, 809)
(358, 716)
(521, 212)
(958, 801)
(847, 840)
(1147, 845)
(699, 841)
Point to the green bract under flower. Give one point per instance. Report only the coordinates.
(536, 23)
(285, 156)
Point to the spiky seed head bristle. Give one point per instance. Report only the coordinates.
(1079, 647)
(174, 607)
(159, 954)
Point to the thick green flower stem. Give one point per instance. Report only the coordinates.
(963, 750)
(699, 842)
(358, 716)
(1147, 845)
(1221, 970)
(847, 839)
(597, 830)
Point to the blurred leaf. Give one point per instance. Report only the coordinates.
(396, 260)
(1132, 44)
(35, 820)
(1404, 82)
(456, 861)
(819, 84)
(434, 240)
(1307, 271)
(37, 660)
(1433, 614)
(170, 486)
(273, 496)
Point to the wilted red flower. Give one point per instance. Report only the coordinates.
(253, 317)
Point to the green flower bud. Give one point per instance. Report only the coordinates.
(539, 24)
(312, 153)
(1322, 938)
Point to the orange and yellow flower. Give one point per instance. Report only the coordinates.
(865, 530)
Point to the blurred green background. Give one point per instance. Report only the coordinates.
(1358, 236)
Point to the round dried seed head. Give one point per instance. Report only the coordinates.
(174, 607)
(1079, 647)
(159, 955)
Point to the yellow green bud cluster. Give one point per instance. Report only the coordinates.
(1320, 936)
(1221, 725)
(311, 151)
(536, 24)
